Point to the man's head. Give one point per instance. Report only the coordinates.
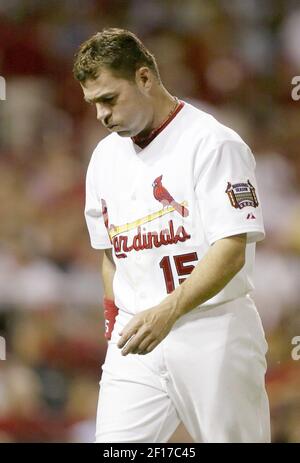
(117, 50)
(119, 75)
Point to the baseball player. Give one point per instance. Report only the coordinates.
(173, 207)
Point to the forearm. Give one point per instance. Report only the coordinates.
(107, 272)
(221, 263)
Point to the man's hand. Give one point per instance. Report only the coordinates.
(147, 329)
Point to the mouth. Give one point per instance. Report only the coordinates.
(111, 127)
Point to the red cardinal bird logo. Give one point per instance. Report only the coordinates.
(163, 196)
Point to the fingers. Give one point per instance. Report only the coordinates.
(149, 348)
(132, 334)
(133, 346)
(135, 340)
(126, 334)
(143, 345)
(138, 336)
(139, 344)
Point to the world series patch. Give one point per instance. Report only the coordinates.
(241, 195)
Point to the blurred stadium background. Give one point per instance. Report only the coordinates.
(235, 59)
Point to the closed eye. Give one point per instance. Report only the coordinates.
(111, 98)
(103, 99)
(107, 99)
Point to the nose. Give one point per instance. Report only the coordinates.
(103, 113)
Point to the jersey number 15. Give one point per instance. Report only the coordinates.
(182, 268)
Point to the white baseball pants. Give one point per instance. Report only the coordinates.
(209, 373)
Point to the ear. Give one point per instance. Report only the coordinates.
(144, 79)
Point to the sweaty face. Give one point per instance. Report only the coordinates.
(121, 105)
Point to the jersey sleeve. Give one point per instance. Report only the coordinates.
(226, 189)
(93, 213)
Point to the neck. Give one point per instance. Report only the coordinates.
(163, 104)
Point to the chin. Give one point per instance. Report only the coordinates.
(124, 133)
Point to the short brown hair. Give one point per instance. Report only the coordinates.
(118, 50)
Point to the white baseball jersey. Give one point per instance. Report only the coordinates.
(160, 208)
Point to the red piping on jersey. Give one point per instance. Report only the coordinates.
(143, 142)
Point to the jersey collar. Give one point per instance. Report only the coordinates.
(145, 141)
